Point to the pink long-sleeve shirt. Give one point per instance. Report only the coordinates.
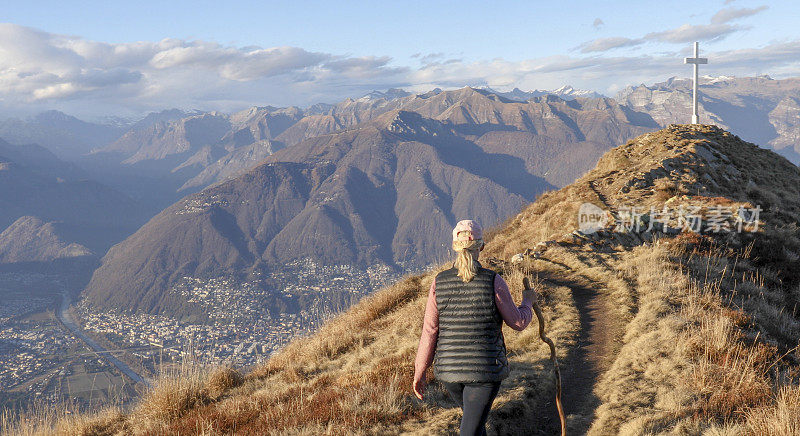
(516, 317)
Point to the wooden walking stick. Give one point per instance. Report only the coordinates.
(559, 406)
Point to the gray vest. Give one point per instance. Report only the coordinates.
(470, 346)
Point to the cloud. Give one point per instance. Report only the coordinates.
(776, 55)
(236, 64)
(690, 33)
(431, 57)
(717, 29)
(682, 34)
(605, 44)
(730, 14)
(39, 70)
(364, 63)
(597, 23)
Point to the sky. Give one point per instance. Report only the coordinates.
(113, 58)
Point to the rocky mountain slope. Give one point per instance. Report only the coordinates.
(557, 139)
(759, 109)
(40, 160)
(175, 139)
(29, 239)
(383, 192)
(659, 329)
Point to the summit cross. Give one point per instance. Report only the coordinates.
(696, 61)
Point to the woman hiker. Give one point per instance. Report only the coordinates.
(464, 315)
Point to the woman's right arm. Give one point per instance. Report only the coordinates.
(427, 341)
(516, 317)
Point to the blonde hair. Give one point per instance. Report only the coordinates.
(466, 259)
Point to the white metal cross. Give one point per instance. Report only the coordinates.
(696, 61)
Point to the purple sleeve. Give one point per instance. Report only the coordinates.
(516, 317)
(430, 332)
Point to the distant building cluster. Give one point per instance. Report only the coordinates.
(30, 351)
(198, 204)
(242, 329)
(31, 354)
(14, 305)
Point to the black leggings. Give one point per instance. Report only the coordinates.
(475, 400)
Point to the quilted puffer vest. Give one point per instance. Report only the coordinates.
(470, 346)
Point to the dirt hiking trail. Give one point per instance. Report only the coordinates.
(596, 347)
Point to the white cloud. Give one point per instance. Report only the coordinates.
(781, 54)
(691, 32)
(36, 67)
(236, 64)
(681, 34)
(39, 70)
(730, 14)
(605, 44)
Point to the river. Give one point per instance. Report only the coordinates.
(66, 318)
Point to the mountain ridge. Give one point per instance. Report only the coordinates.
(34, 183)
(66, 136)
(254, 133)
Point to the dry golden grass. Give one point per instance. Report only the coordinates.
(46, 420)
(221, 380)
(178, 391)
(173, 395)
(779, 419)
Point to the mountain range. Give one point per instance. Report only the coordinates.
(385, 190)
(172, 153)
(514, 145)
(214, 146)
(565, 92)
(205, 148)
